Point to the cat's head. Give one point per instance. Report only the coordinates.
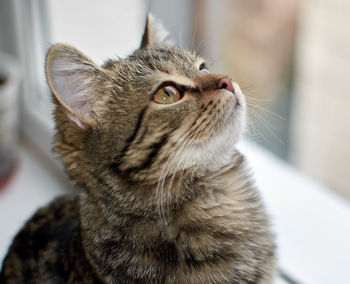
(143, 117)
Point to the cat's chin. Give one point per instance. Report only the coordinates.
(240, 99)
(218, 151)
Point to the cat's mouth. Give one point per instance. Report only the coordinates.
(226, 85)
(221, 109)
(232, 95)
(238, 95)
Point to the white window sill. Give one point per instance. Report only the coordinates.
(312, 223)
(33, 185)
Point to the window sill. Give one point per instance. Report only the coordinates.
(34, 183)
(311, 222)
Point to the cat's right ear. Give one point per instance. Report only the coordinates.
(154, 32)
(71, 77)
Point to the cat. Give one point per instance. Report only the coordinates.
(165, 195)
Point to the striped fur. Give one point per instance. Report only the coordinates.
(166, 197)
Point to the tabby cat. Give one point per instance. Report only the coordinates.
(166, 196)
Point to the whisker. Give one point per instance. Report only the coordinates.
(205, 40)
(254, 132)
(180, 37)
(265, 110)
(266, 124)
(251, 98)
(194, 33)
(183, 145)
(163, 193)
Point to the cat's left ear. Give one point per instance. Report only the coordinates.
(154, 32)
(73, 80)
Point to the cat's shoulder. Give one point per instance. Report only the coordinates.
(60, 214)
(44, 242)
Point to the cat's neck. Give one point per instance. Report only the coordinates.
(126, 225)
(149, 201)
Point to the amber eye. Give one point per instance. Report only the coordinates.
(204, 69)
(167, 95)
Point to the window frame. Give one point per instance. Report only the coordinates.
(34, 37)
(33, 31)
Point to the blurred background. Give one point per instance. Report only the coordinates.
(291, 58)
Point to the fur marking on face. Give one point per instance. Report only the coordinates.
(164, 195)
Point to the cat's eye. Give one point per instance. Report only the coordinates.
(203, 68)
(167, 95)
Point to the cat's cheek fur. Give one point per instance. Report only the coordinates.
(218, 150)
(140, 216)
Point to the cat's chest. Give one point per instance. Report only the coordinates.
(207, 238)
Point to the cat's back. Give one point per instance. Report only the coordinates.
(48, 248)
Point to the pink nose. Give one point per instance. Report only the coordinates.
(226, 83)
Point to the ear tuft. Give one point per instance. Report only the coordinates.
(71, 77)
(154, 32)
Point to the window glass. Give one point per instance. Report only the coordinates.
(100, 29)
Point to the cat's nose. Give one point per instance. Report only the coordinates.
(226, 83)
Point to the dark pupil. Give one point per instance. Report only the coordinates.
(169, 91)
